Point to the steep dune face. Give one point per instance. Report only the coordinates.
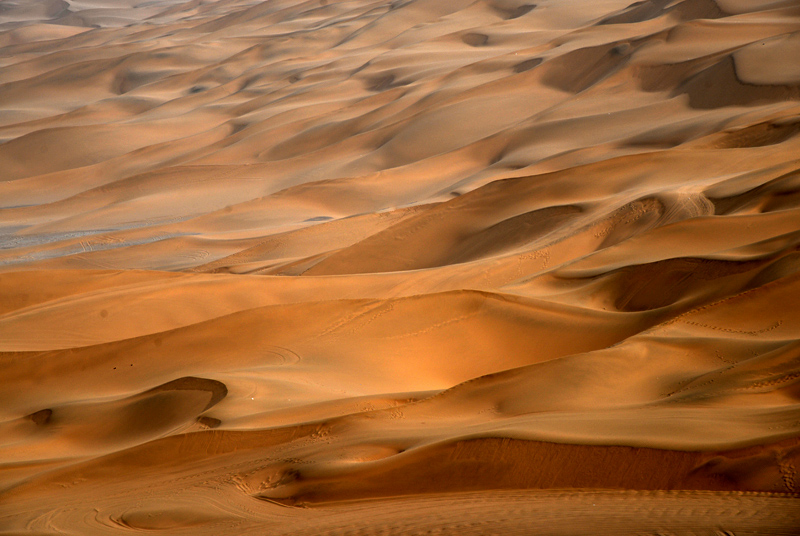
(257, 254)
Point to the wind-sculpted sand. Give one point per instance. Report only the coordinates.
(409, 267)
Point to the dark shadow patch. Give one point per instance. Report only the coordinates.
(665, 136)
(760, 135)
(129, 80)
(209, 422)
(666, 77)
(318, 218)
(238, 126)
(660, 284)
(527, 65)
(217, 389)
(580, 69)
(519, 11)
(777, 194)
(475, 39)
(474, 465)
(637, 12)
(651, 9)
(514, 232)
(514, 12)
(719, 86)
(697, 9)
(785, 266)
(382, 83)
(41, 417)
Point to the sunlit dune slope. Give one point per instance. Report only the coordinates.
(257, 254)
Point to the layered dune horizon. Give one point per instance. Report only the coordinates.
(408, 267)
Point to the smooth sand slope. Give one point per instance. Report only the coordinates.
(410, 267)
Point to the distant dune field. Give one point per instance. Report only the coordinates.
(405, 267)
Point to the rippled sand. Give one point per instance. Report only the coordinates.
(410, 267)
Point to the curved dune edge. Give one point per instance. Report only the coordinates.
(495, 464)
(480, 464)
(422, 266)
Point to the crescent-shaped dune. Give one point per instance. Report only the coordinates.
(410, 267)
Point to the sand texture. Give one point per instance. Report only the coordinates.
(413, 267)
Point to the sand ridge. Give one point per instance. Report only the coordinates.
(356, 265)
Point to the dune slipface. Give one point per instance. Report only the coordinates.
(410, 267)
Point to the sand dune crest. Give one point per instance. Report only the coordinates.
(411, 267)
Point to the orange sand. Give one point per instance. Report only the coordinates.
(415, 267)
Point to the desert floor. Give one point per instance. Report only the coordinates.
(413, 267)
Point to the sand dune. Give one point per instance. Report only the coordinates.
(418, 267)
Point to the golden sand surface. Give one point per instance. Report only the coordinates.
(399, 267)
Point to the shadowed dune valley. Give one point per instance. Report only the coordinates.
(407, 267)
